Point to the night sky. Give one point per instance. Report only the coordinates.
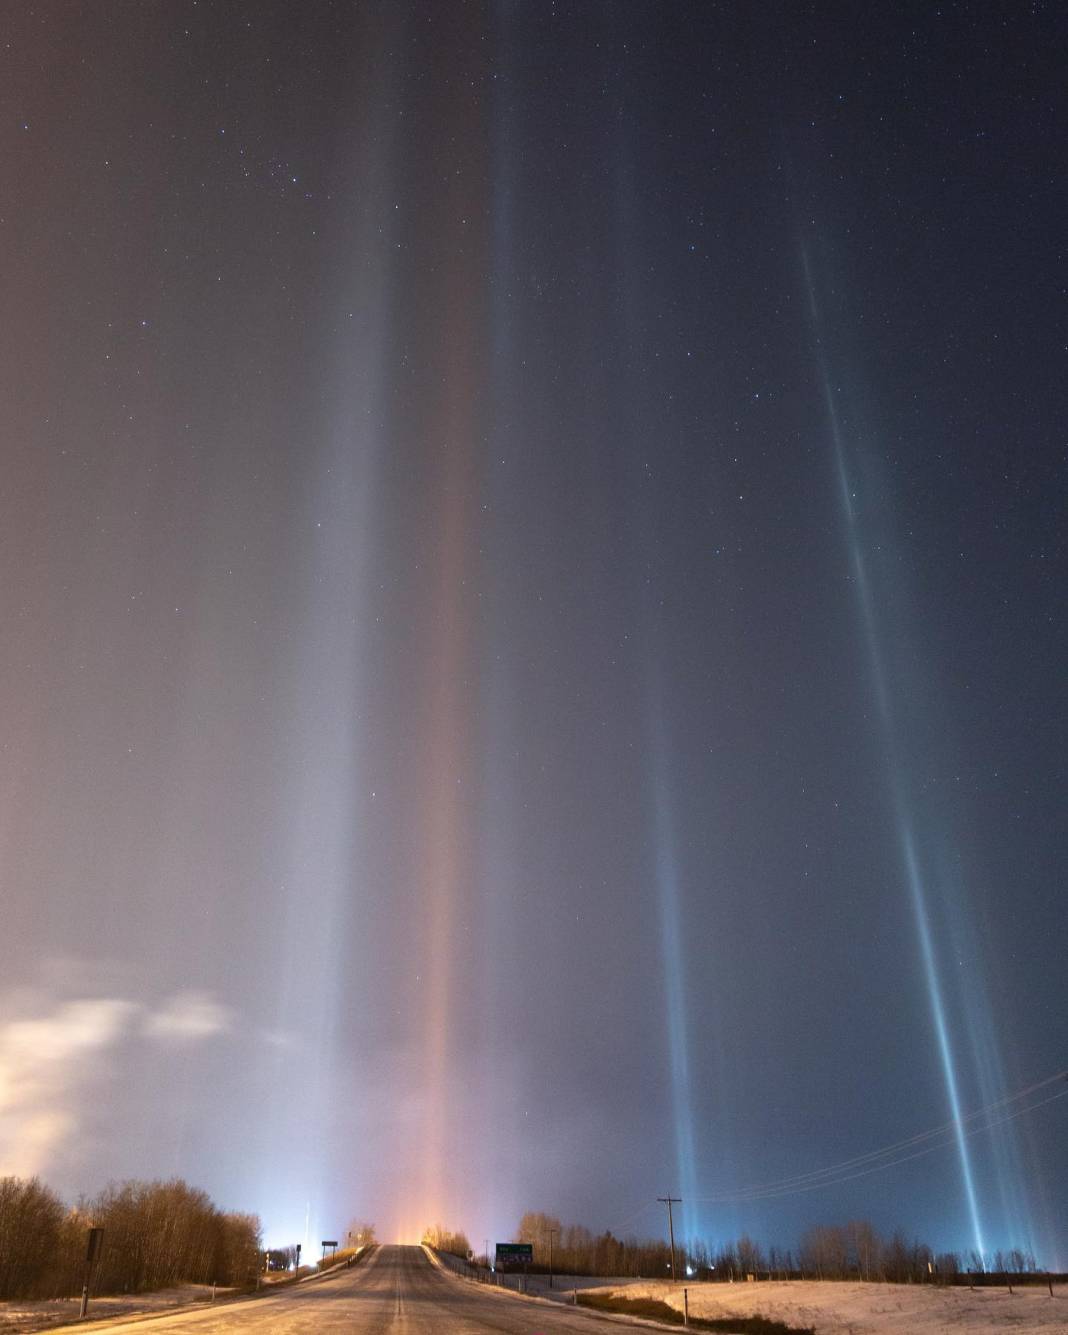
(533, 620)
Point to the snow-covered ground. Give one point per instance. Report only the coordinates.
(28, 1316)
(872, 1309)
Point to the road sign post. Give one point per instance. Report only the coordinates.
(92, 1251)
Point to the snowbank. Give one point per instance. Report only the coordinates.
(871, 1309)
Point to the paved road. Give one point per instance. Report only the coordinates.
(396, 1290)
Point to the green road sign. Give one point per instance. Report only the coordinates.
(515, 1253)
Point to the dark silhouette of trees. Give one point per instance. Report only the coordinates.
(827, 1251)
(31, 1231)
(161, 1233)
(155, 1234)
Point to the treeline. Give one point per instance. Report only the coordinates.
(856, 1250)
(155, 1234)
(445, 1240)
(847, 1251)
(576, 1250)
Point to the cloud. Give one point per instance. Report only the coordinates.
(54, 1052)
(188, 1015)
(76, 1026)
(42, 1061)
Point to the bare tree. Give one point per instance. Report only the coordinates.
(865, 1247)
(31, 1219)
(750, 1256)
(445, 1240)
(360, 1233)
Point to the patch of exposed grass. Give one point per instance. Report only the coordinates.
(661, 1311)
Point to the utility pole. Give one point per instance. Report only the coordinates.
(669, 1201)
(551, 1232)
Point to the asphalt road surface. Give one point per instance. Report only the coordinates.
(396, 1290)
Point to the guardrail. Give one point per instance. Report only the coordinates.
(565, 1287)
(500, 1279)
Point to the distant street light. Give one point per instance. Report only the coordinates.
(551, 1232)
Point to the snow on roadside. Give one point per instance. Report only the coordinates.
(30, 1316)
(872, 1309)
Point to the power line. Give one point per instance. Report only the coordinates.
(889, 1156)
(772, 1191)
(894, 1154)
(639, 1211)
